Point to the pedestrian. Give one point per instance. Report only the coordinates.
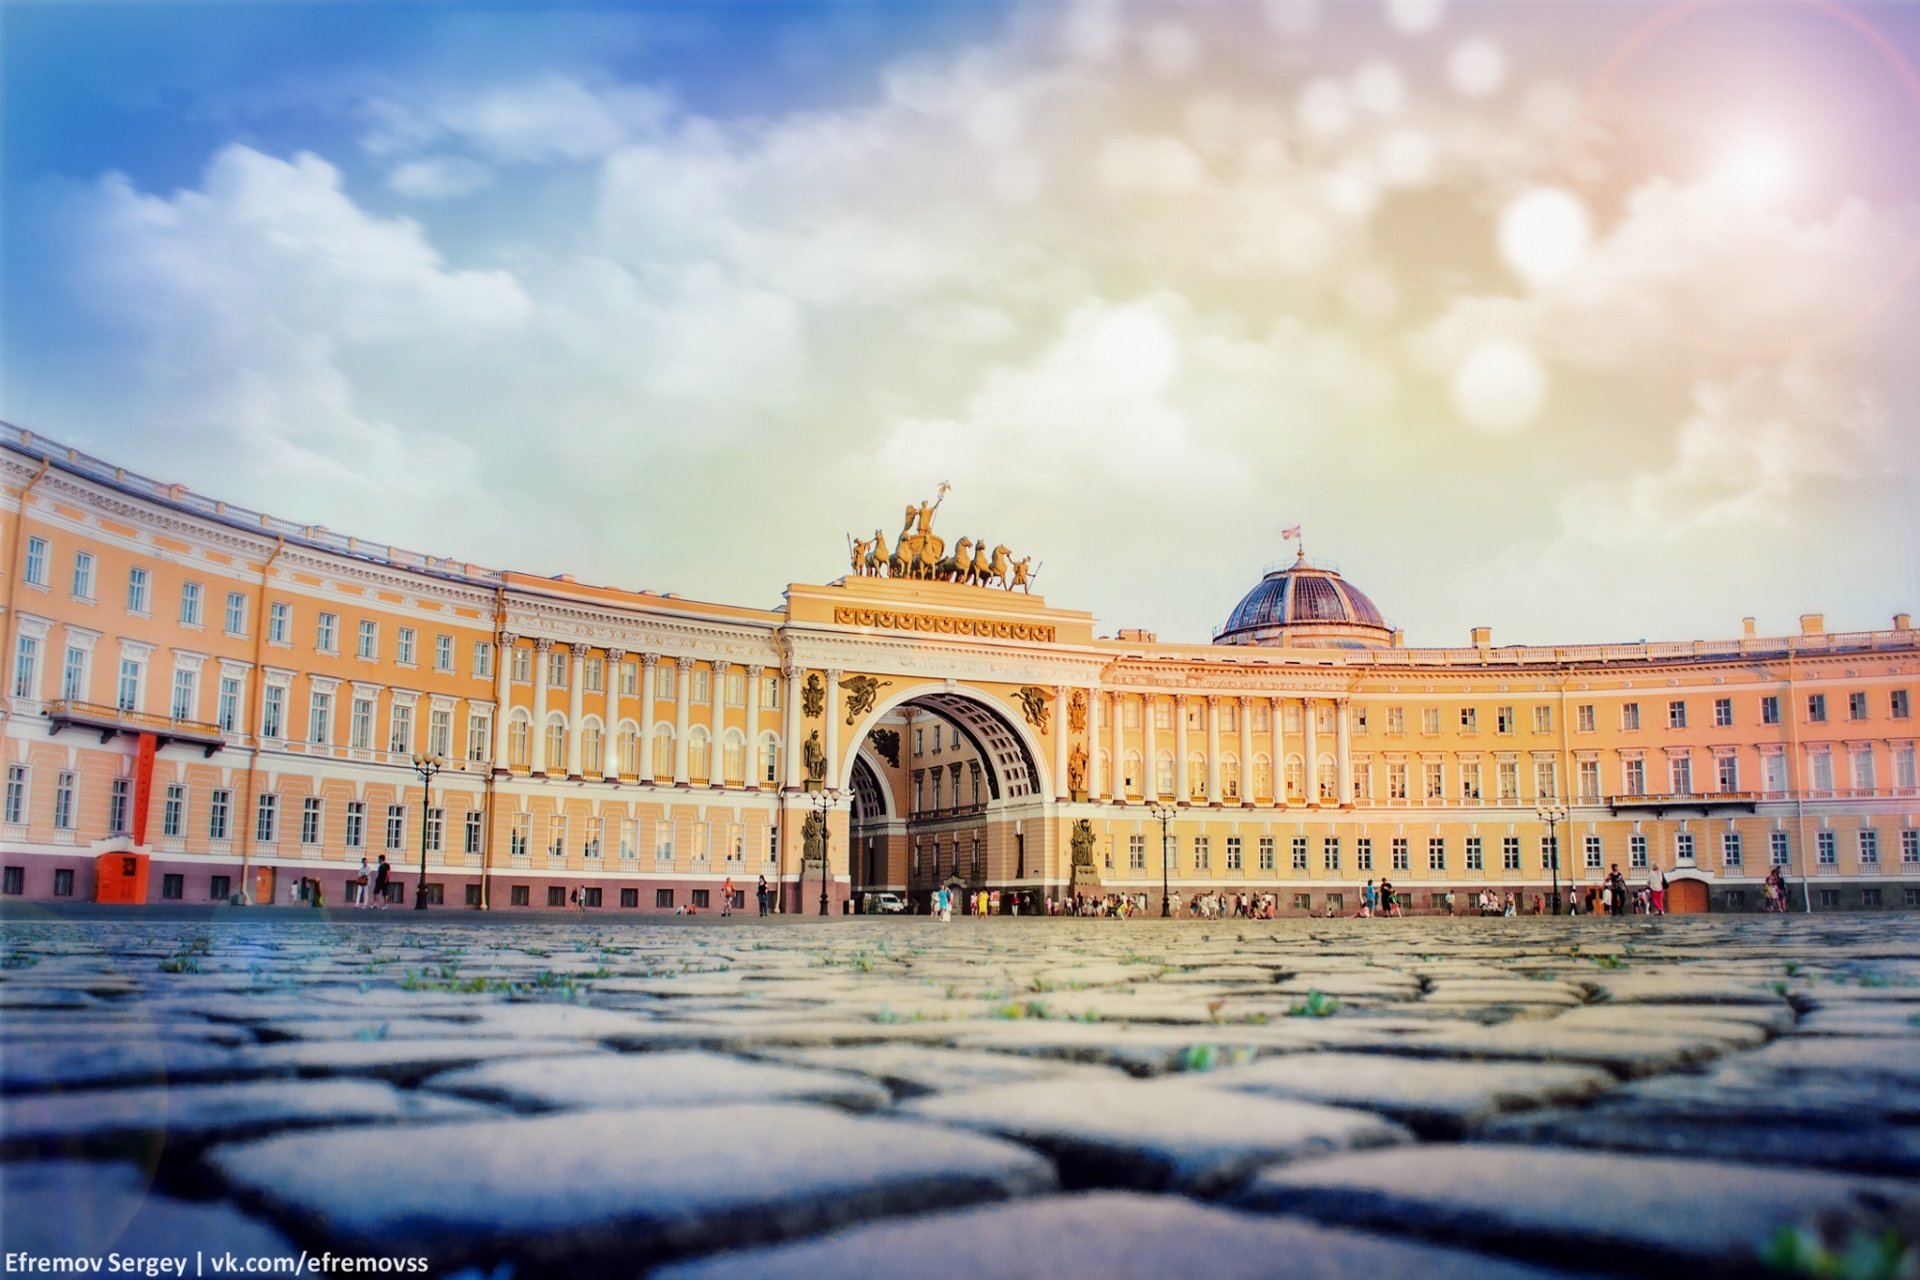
(726, 897)
(365, 883)
(1657, 891)
(382, 877)
(760, 895)
(1616, 891)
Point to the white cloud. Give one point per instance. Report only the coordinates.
(439, 178)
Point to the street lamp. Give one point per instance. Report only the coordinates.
(823, 802)
(426, 766)
(1164, 812)
(1553, 815)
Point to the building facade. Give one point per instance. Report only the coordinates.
(245, 704)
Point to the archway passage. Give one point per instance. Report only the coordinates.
(1687, 897)
(1011, 774)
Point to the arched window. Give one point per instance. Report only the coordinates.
(1262, 777)
(663, 750)
(1131, 783)
(699, 754)
(1196, 775)
(1329, 787)
(520, 739)
(592, 744)
(734, 758)
(1296, 778)
(629, 745)
(769, 759)
(1163, 775)
(556, 742)
(1230, 777)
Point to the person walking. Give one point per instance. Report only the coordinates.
(760, 895)
(382, 875)
(365, 891)
(726, 897)
(1657, 892)
(1616, 891)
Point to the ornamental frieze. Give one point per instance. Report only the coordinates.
(943, 624)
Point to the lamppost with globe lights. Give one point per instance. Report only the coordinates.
(1553, 815)
(823, 802)
(1164, 812)
(426, 766)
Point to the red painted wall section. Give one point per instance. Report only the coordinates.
(142, 787)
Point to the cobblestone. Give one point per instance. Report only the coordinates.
(596, 1096)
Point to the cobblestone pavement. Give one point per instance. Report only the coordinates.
(532, 1096)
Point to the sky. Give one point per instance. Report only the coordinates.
(1583, 321)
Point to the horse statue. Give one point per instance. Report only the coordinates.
(982, 566)
(876, 560)
(997, 568)
(949, 568)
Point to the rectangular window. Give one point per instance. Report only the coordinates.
(594, 675)
(1863, 772)
(132, 680)
(396, 827)
(1731, 854)
(1509, 774)
(1856, 706)
(219, 805)
(403, 647)
(1543, 719)
(556, 895)
(117, 797)
(273, 712)
(1680, 767)
(356, 824)
(1726, 769)
(26, 663)
(310, 820)
(1436, 854)
(267, 818)
(1233, 853)
(1869, 848)
(517, 895)
(480, 737)
(1777, 852)
(1633, 773)
(1330, 853)
(1629, 715)
(443, 654)
(1476, 854)
(1898, 704)
(1546, 780)
(1909, 847)
(400, 729)
(663, 899)
(1770, 709)
(73, 680)
(319, 716)
(1469, 720)
(440, 732)
(1583, 718)
(1588, 775)
(173, 887)
(1722, 712)
(173, 811)
(1402, 860)
(1636, 851)
(63, 883)
(279, 622)
(522, 666)
(83, 575)
(1817, 707)
(36, 562)
(236, 613)
(436, 828)
(14, 882)
(1300, 853)
(557, 667)
(1430, 720)
(189, 604)
(1396, 720)
(138, 581)
(186, 694)
(630, 897)
(1469, 779)
(471, 835)
(1363, 854)
(1503, 720)
(701, 897)
(360, 725)
(1436, 787)
(1137, 853)
(1510, 853)
(367, 640)
(1676, 715)
(1396, 780)
(1822, 763)
(1829, 897)
(1202, 854)
(227, 713)
(483, 660)
(1162, 714)
(1826, 848)
(1683, 846)
(1594, 853)
(1266, 853)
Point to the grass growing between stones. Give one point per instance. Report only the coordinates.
(1795, 1251)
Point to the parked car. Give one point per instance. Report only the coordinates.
(889, 903)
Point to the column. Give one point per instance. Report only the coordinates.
(1181, 789)
(503, 664)
(1060, 791)
(1116, 719)
(610, 734)
(1096, 776)
(1246, 751)
(716, 725)
(832, 739)
(1343, 760)
(576, 706)
(541, 648)
(753, 726)
(1213, 750)
(1277, 731)
(1150, 782)
(647, 661)
(790, 772)
(1308, 731)
(682, 702)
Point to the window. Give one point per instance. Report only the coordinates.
(1856, 706)
(1509, 775)
(173, 887)
(173, 811)
(1726, 769)
(1503, 720)
(26, 662)
(1546, 779)
(1898, 704)
(1476, 854)
(663, 684)
(443, 654)
(396, 827)
(769, 691)
(517, 895)
(63, 789)
(1363, 854)
(266, 818)
(436, 829)
(1909, 847)
(440, 732)
(480, 736)
(360, 726)
(1773, 766)
(138, 581)
(1676, 715)
(63, 883)
(1436, 854)
(1510, 853)
(219, 805)
(1722, 712)
(1629, 715)
(273, 712)
(356, 824)
(1469, 779)
(520, 837)
(630, 897)
(117, 796)
(1469, 719)
(1870, 898)
(1587, 774)
(1681, 769)
(189, 604)
(319, 716)
(14, 882)
(1202, 854)
(557, 832)
(556, 742)
(73, 680)
(701, 898)
(1543, 719)
(1863, 771)
(37, 562)
(1266, 853)
(1162, 714)
(1633, 773)
(403, 647)
(1770, 709)
(1816, 707)
(310, 820)
(1430, 720)
(1583, 718)
(236, 613)
(279, 622)
(367, 642)
(1396, 779)
(1594, 853)
(1435, 780)
(83, 575)
(1683, 846)
(1822, 761)
(1330, 853)
(471, 834)
(1869, 848)
(663, 899)
(483, 661)
(186, 693)
(1636, 851)
(1396, 720)
(1299, 853)
(227, 714)
(557, 667)
(1777, 848)
(1401, 859)
(400, 728)
(1233, 853)
(1829, 897)
(556, 895)
(1730, 851)
(522, 666)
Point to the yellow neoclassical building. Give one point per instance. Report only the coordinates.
(205, 702)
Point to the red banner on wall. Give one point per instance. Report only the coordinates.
(142, 786)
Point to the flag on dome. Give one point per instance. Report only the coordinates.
(1294, 532)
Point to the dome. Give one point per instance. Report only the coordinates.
(1304, 606)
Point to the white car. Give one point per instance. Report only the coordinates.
(889, 903)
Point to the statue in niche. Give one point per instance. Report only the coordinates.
(1077, 772)
(813, 838)
(814, 757)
